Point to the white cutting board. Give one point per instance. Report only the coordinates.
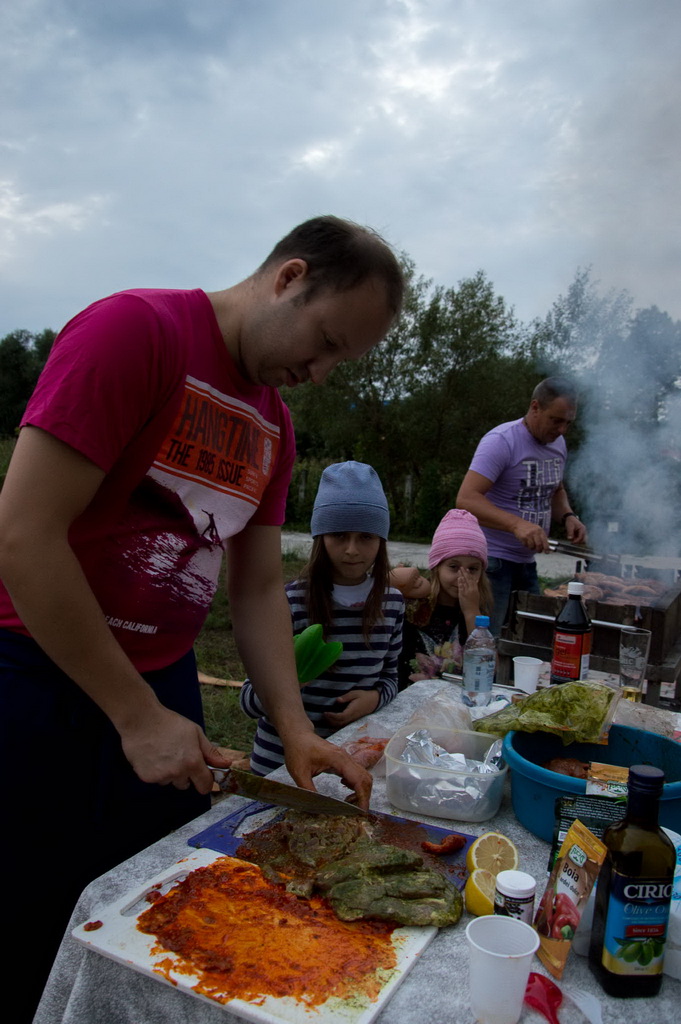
(119, 939)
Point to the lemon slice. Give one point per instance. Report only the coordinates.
(479, 892)
(493, 852)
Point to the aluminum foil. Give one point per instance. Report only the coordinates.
(432, 780)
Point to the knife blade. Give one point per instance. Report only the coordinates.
(258, 787)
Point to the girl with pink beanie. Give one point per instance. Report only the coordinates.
(436, 626)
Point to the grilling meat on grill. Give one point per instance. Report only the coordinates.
(613, 590)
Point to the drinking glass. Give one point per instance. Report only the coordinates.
(634, 650)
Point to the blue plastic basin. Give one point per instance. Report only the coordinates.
(534, 789)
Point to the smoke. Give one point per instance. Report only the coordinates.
(625, 473)
(626, 476)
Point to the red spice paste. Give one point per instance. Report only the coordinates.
(246, 938)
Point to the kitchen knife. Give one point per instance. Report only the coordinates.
(258, 787)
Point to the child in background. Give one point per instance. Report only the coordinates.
(345, 587)
(436, 626)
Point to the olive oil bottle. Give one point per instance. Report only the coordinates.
(633, 894)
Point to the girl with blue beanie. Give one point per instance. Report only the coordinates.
(344, 587)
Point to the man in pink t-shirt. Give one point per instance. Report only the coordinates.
(514, 487)
(156, 441)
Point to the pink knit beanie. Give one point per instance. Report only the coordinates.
(457, 534)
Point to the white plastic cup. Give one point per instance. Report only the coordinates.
(500, 957)
(526, 673)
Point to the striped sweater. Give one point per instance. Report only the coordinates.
(359, 667)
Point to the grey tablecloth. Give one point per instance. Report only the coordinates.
(86, 988)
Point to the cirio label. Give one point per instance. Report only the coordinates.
(636, 925)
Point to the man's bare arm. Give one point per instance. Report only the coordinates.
(574, 527)
(48, 485)
(472, 497)
(262, 627)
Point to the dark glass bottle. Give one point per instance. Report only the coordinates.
(571, 639)
(633, 894)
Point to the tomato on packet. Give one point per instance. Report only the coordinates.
(572, 878)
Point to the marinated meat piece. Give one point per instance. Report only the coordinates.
(366, 857)
(360, 876)
(568, 766)
(414, 885)
(303, 887)
(427, 899)
(314, 841)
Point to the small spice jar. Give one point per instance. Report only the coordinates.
(514, 896)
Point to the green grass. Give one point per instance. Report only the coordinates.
(217, 655)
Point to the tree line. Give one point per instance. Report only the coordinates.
(457, 363)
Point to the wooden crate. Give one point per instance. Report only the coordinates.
(662, 618)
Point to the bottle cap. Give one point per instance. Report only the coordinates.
(646, 778)
(515, 883)
(482, 620)
(575, 588)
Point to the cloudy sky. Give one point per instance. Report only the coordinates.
(170, 143)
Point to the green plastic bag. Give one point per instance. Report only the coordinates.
(579, 712)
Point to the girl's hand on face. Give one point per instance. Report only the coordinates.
(469, 596)
(358, 703)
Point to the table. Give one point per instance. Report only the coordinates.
(86, 988)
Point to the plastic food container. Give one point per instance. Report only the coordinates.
(443, 793)
(534, 789)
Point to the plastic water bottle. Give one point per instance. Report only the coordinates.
(479, 664)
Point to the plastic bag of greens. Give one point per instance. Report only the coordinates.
(577, 712)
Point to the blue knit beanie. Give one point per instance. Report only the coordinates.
(350, 499)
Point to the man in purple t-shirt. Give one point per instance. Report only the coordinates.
(514, 486)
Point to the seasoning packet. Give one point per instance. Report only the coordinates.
(567, 892)
(610, 780)
(594, 810)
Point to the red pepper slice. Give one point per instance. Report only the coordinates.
(543, 995)
(450, 844)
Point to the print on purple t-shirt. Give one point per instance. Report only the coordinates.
(525, 475)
